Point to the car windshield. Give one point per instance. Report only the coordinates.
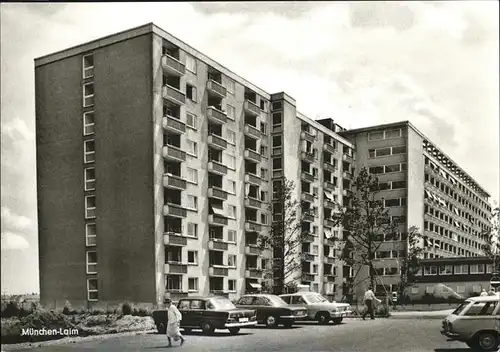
(220, 303)
(315, 298)
(277, 301)
(460, 308)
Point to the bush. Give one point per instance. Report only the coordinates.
(97, 311)
(126, 309)
(68, 310)
(13, 308)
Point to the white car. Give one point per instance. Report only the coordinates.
(476, 322)
(318, 307)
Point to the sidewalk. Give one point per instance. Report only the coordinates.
(439, 314)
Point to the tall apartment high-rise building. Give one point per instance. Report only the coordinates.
(424, 188)
(154, 168)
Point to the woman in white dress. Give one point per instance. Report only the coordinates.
(174, 322)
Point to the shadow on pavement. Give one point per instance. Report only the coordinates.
(316, 323)
(201, 333)
(453, 350)
(275, 328)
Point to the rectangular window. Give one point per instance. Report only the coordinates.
(230, 85)
(376, 170)
(231, 285)
(90, 234)
(374, 136)
(392, 168)
(315, 269)
(263, 150)
(277, 141)
(91, 262)
(193, 257)
(192, 229)
(398, 184)
(477, 268)
(231, 260)
(192, 202)
(231, 162)
(277, 163)
(88, 94)
(277, 118)
(398, 150)
(461, 269)
(414, 290)
(232, 187)
(192, 148)
(89, 178)
(88, 123)
(90, 212)
(489, 268)
(92, 290)
(192, 175)
(263, 173)
(263, 127)
(263, 219)
(393, 134)
(231, 236)
(89, 151)
(446, 270)
(88, 66)
(395, 202)
(193, 284)
(231, 111)
(190, 63)
(191, 120)
(231, 211)
(231, 136)
(191, 92)
(382, 152)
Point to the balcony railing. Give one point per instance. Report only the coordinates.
(308, 157)
(308, 217)
(253, 179)
(175, 268)
(307, 197)
(174, 182)
(253, 203)
(217, 245)
(252, 108)
(347, 158)
(174, 125)
(308, 238)
(329, 186)
(307, 176)
(253, 226)
(214, 219)
(347, 175)
(328, 223)
(308, 257)
(173, 66)
(173, 153)
(329, 148)
(216, 88)
(216, 115)
(252, 155)
(252, 250)
(217, 142)
(307, 277)
(174, 239)
(329, 204)
(217, 168)
(278, 129)
(217, 193)
(217, 271)
(329, 260)
(253, 273)
(330, 167)
(252, 131)
(307, 136)
(174, 210)
(174, 95)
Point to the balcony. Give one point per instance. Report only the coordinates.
(252, 250)
(173, 125)
(308, 257)
(329, 204)
(329, 242)
(329, 260)
(277, 129)
(252, 155)
(308, 238)
(217, 142)
(329, 148)
(217, 245)
(216, 270)
(307, 197)
(253, 273)
(216, 116)
(308, 217)
(307, 136)
(252, 131)
(253, 203)
(306, 176)
(175, 210)
(330, 167)
(175, 268)
(328, 223)
(217, 220)
(217, 193)
(175, 239)
(174, 95)
(307, 157)
(173, 66)
(251, 108)
(347, 158)
(307, 277)
(329, 186)
(216, 88)
(174, 182)
(173, 153)
(253, 226)
(347, 175)
(253, 179)
(217, 168)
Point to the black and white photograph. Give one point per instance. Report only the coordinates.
(239, 176)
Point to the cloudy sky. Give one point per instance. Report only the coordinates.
(433, 63)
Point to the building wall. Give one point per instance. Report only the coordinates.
(415, 180)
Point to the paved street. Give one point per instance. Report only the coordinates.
(355, 335)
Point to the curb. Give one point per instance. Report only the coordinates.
(408, 316)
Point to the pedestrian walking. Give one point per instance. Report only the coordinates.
(370, 300)
(173, 324)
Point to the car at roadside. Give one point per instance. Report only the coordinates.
(208, 314)
(476, 322)
(318, 307)
(271, 310)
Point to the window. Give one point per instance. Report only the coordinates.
(89, 178)
(192, 229)
(231, 236)
(263, 127)
(88, 66)
(398, 184)
(414, 290)
(460, 288)
(231, 112)
(393, 134)
(477, 268)
(193, 284)
(191, 120)
(90, 207)
(192, 202)
(191, 92)
(277, 164)
(373, 136)
(445, 270)
(392, 168)
(277, 117)
(190, 63)
(89, 151)
(192, 175)
(263, 219)
(315, 269)
(231, 260)
(231, 137)
(315, 249)
(192, 148)
(232, 187)
(376, 170)
(88, 123)
(489, 268)
(193, 257)
(430, 270)
(395, 202)
(91, 262)
(90, 234)
(277, 141)
(230, 85)
(429, 289)
(232, 211)
(88, 94)
(92, 291)
(382, 152)
(231, 285)
(231, 162)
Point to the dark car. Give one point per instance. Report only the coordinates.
(272, 310)
(208, 314)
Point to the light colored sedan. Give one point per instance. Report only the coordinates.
(318, 307)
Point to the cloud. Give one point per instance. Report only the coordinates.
(17, 130)
(14, 221)
(12, 241)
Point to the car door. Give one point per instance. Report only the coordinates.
(262, 307)
(196, 312)
(245, 302)
(184, 308)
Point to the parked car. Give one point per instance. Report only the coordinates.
(272, 310)
(476, 322)
(208, 314)
(318, 307)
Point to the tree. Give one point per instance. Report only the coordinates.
(284, 236)
(366, 220)
(491, 248)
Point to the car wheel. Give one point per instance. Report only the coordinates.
(162, 329)
(234, 331)
(323, 318)
(487, 341)
(271, 321)
(207, 328)
(337, 320)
